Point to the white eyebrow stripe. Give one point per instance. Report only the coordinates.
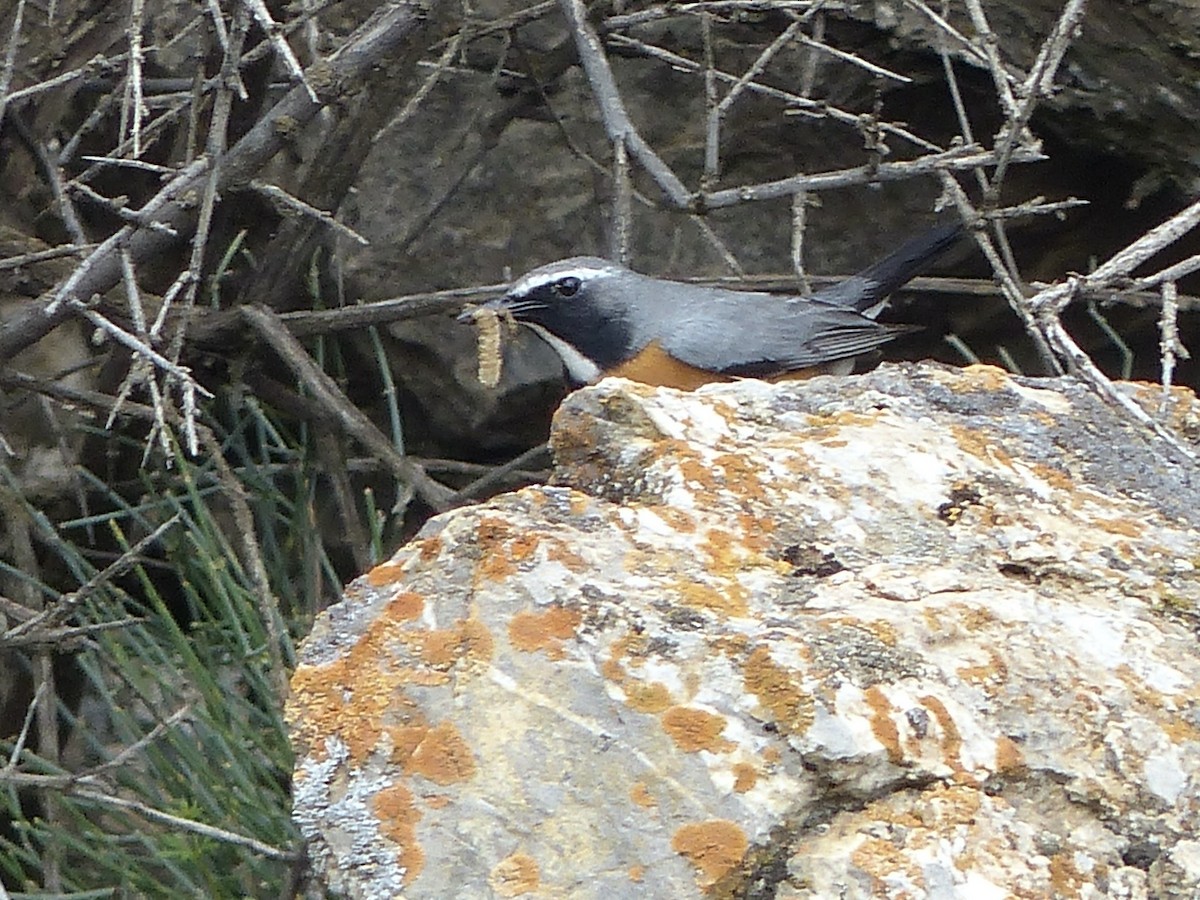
(535, 280)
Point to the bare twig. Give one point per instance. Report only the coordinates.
(622, 219)
(957, 159)
(269, 607)
(263, 16)
(209, 831)
(151, 133)
(1170, 346)
(352, 420)
(990, 44)
(217, 18)
(174, 205)
(796, 102)
(612, 109)
(284, 200)
(10, 58)
(480, 486)
(117, 206)
(968, 46)
(1006, 275)
(716, 7)
(858, 61)
(1048, 304)
(799, 217)
(133, 108)
(1038, 84)
(712, 134)
(440, 68)
(36, 256)
(66, 604)
(181, 373)
(52, 174)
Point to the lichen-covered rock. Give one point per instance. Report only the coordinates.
(920, 633)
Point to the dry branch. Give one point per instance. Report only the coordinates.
(175, 205)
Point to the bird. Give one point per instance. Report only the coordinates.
(603, 319)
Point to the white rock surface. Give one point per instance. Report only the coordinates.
(923, 633)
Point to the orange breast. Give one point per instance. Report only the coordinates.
(656, 366)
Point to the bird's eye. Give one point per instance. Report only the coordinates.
(567, 287)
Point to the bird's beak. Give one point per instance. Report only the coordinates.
(497, 304)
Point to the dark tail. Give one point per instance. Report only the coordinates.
(873, 284)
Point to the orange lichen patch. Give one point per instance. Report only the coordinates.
(385, 574)
(951, 736)
(1123, 527)
(642, 696)
(492, 531)
(693, 730)
(350, 695)
(428, 548)
(467, 641)
(398, 818)
(637, 873)
(1182, 409)
(1054, 477)
(640, 795)
(532, 631)
(406, 739)
(491, 534)
(522, 547)
(630, 647)
(612, 669)
(756, 531)
(989, 676)
(882, 859)
(405, 606)
(715, 848)
(729, 553)
(952, 804)
(495, 566)
(1179, 729)
(981, 375)
(979, 444)
(562, 552)
(741, 477)
(880, 629)
(724, 550)
(515, 875)
(1174, 725)
(745, 777)
(842, 418)
(696, 472)
(443, 756)
(732, 646)
(646, 696)
(1064, 877)
(775, 687)
(730, 598)
(976, 618)
(883, 726)
(680, 521)
(1009, 758)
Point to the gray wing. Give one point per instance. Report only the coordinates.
(745, 333)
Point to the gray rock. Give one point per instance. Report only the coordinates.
(922, 633)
